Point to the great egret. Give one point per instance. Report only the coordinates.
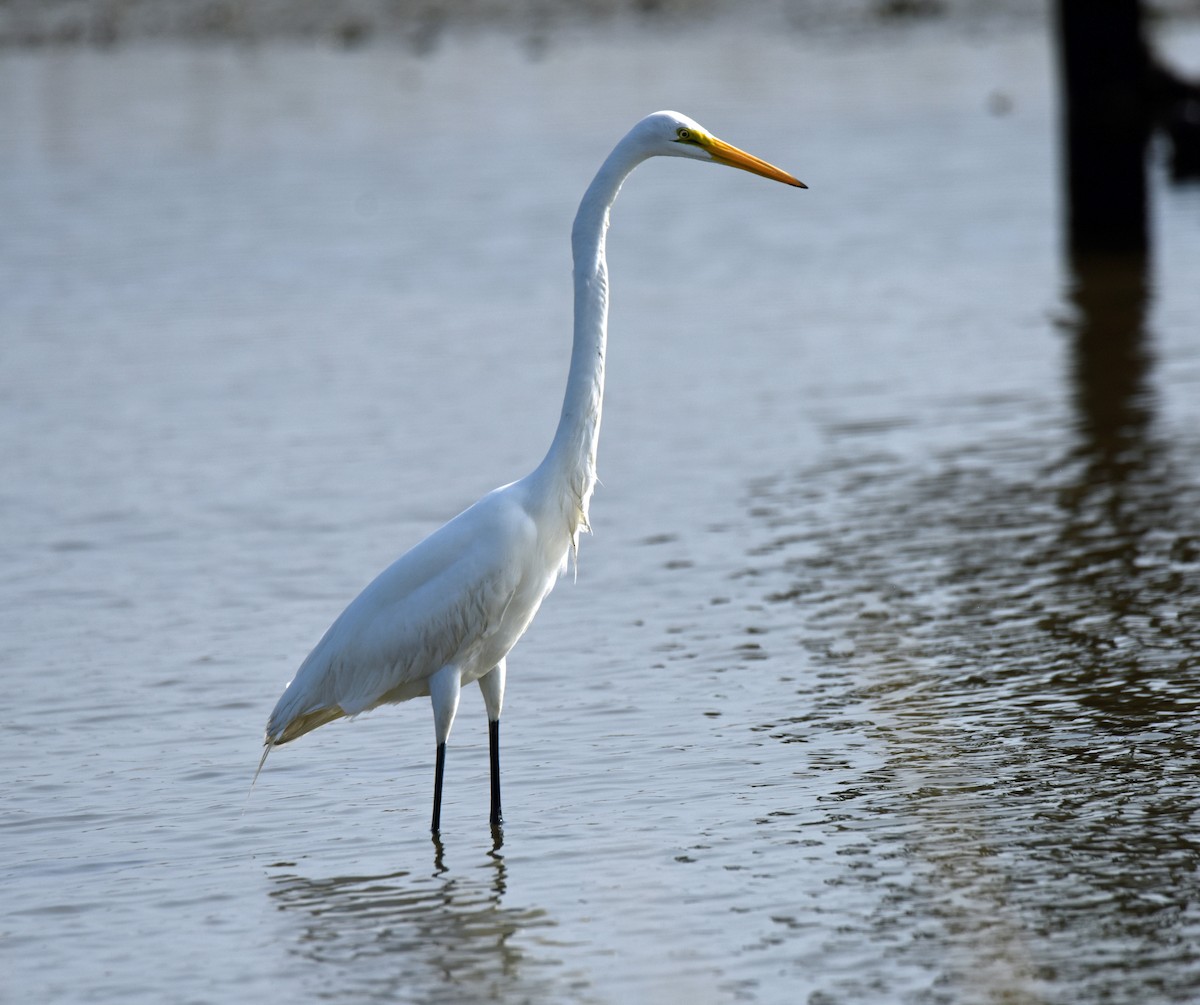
(447, 612)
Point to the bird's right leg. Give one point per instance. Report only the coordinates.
(444, 688)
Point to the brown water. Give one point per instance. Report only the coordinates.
(879, 679)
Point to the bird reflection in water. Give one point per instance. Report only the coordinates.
(439, 853)
(447, 936)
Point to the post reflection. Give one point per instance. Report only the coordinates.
(1115, 554)
(1111, 362)
(403, 936)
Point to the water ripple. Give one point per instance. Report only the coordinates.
(1022, 637)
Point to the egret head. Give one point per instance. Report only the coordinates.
(673, 134)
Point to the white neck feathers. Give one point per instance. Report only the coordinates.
(569, 467)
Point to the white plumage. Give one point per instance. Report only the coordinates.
(447, 612)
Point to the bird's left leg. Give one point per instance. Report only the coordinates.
(444, 689)
(492, 686)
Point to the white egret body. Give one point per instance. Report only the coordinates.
(447, 612)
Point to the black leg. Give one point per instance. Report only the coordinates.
(494, 750)
(438, 771)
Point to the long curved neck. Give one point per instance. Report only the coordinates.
(568, 471)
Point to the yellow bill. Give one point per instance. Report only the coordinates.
(728, 154)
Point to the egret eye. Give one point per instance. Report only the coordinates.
(684, 134)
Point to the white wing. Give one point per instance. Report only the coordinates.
(463, 596)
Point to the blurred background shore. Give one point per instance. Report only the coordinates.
(26, 23)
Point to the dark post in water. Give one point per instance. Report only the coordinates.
(1106, 82)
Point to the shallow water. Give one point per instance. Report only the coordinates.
(878, 682)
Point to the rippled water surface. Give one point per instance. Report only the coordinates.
(879, 679)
